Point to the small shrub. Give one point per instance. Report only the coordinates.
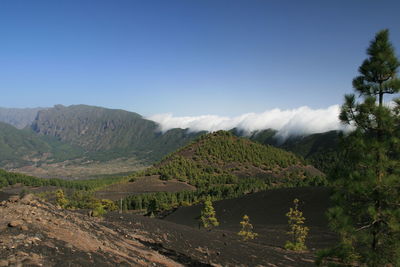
(109, 205)
(247, 229)
(98, 211)
(60, 198)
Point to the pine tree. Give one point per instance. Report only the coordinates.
(247, 229)
(297, 231)
(367, 180)
(208, 218)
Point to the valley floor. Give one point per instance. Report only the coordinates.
(82, 168)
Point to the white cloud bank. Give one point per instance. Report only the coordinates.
(299, 121)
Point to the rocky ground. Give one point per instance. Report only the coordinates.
(37, 233)
(34, 233)
(199, 247)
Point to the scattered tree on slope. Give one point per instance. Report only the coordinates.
(247, 229)
(297, 231)
(208, 218)
(60, 198)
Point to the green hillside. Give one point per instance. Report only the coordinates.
(109, 133)
(266, 137)
(319, 149)
(24, 147)
(11, 178)
(222, 158)
(222, 166)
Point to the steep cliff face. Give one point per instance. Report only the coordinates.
(93, 128)
(113, 132)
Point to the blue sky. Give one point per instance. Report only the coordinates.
(186, 57)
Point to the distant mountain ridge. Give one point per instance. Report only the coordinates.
(109, 133)
(19, 117)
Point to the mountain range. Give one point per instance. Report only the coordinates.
(77, 134)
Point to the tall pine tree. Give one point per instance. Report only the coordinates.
(367, 180)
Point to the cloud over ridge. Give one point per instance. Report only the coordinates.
(290, 122)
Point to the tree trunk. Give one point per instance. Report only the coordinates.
(380, 94)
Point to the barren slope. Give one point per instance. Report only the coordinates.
(38, 234)
(35, 233)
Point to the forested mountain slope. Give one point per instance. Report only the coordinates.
(221, 157)
(24, 147)
(319, 149)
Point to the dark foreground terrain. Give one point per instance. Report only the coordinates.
(267, 211)
(36, 233)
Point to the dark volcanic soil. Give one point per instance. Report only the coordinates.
(36, 233)
(147, 184)
(266, 208)
(199, 247)
(267, 211)
(179, 231)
